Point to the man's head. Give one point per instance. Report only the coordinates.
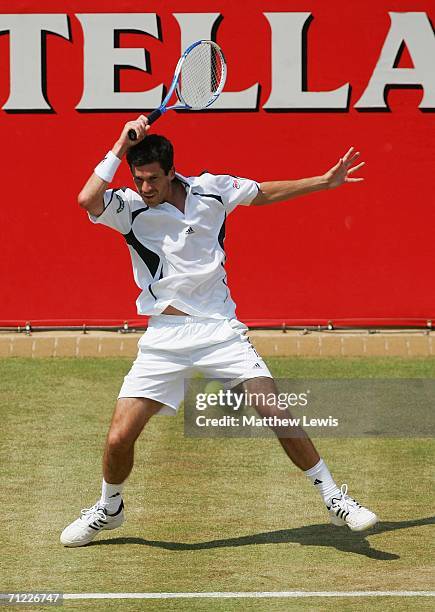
(151, 163)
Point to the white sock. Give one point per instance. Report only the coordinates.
(321, 478)
(111, 494)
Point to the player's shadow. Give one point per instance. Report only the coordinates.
(312, 535)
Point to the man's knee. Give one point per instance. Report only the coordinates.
(119, 440)
(130, 417)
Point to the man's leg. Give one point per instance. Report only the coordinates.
(129, 418)
(298, 445)
(300, 449)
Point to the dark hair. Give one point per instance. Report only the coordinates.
(153, 148)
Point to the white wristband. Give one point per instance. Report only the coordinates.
(106, 169)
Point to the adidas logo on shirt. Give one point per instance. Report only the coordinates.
(190, 230)
(257, 365)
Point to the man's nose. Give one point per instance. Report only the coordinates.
(146, 187)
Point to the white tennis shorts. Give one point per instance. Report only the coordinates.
(174, 348)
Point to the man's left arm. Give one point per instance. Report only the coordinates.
(279, 191)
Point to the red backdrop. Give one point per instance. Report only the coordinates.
(363, 251)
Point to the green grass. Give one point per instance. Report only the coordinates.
(203, 515)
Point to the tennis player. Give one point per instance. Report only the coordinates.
(174, 227)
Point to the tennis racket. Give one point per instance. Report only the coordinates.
(199, 78)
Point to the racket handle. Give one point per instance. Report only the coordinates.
(154, 116)
(151, 118)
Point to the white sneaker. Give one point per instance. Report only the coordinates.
(92, 521)
(345, 510)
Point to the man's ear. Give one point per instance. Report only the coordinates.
(171, 173)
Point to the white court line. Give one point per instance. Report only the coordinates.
(250, 594)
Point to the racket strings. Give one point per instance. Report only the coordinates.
(201, 76)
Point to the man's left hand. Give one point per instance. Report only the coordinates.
(341, 172)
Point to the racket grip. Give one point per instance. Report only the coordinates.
(154, 116)
(151, 118)
(132, 135)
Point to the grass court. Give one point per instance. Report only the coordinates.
(204, 515)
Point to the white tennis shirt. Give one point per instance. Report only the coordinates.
(178, 259)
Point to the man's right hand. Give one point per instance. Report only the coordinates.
(91, 197)
(140, 126)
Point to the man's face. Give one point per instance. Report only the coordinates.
(152, 183)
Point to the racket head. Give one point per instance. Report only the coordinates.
(201, 74)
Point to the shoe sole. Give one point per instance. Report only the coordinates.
(362, 527)
(370, 523)
(77, 544)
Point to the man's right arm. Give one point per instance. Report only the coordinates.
(91, 197)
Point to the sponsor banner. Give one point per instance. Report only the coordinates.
(303, 86)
